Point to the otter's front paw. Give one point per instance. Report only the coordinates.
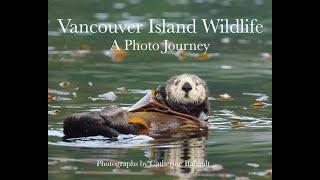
(117, 118)
(161, 94)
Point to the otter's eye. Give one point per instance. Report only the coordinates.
(196, 81)
(176, 82)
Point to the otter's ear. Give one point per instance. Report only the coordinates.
(170, 81)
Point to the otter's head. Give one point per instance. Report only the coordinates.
(186, 89)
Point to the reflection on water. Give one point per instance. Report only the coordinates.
(185, 159)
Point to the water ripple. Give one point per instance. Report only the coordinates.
(221, 120)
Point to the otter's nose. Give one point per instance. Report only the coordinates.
(186, 87)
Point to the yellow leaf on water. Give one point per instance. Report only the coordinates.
(258, 104)
(203, 56)
(116, 54)
(236, 124)
(84, 47)
(50, 98)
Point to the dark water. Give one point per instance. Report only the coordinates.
(241, 67)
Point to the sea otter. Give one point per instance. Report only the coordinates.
(185, 94)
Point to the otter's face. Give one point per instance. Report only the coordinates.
(186, 89)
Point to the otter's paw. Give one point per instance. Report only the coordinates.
(161, 94)
(117, 118)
